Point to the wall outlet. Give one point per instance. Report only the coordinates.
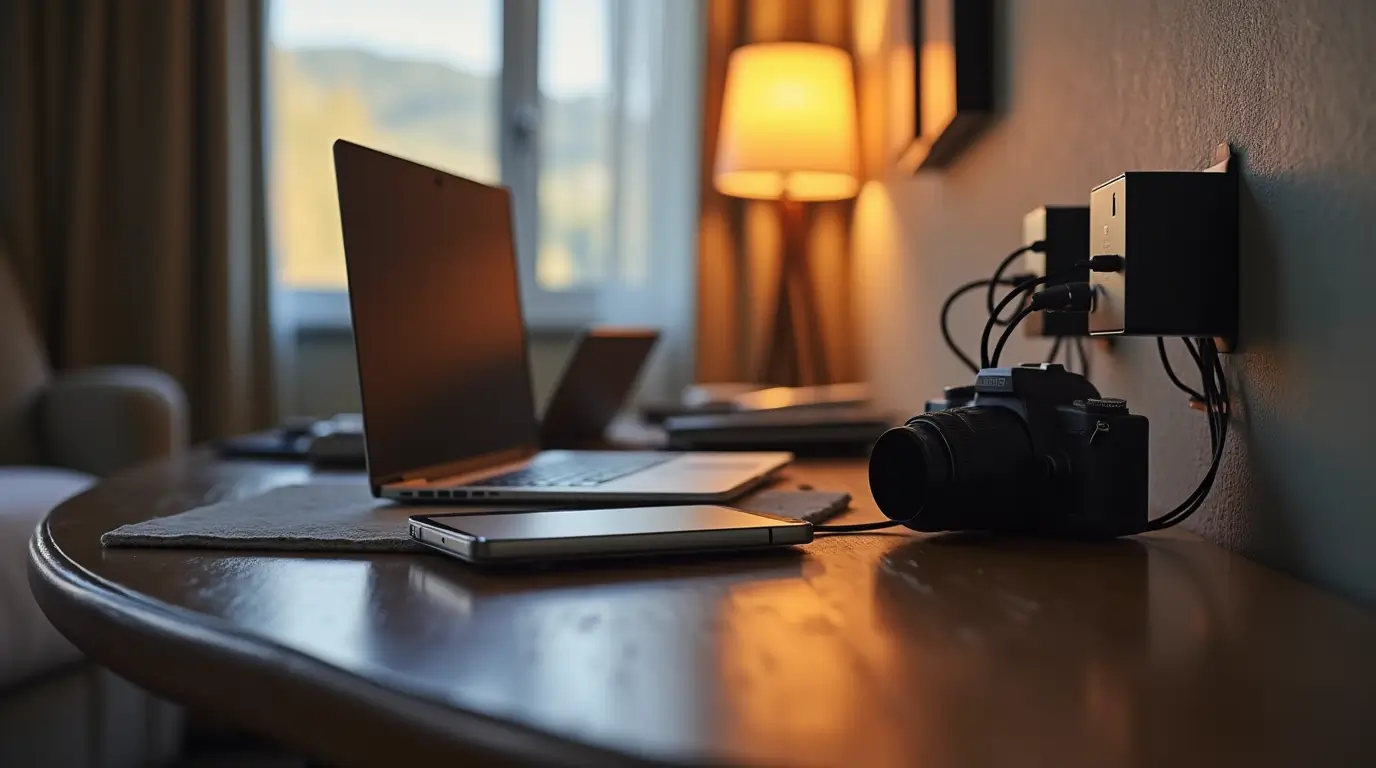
(1177, 235)
(1065, 230)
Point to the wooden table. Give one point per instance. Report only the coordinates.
(883, 649)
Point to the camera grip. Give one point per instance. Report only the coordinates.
(1106, 474)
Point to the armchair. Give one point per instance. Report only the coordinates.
(58, 435)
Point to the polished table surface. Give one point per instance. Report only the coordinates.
(880, 649)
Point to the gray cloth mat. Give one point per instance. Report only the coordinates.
(346, 518)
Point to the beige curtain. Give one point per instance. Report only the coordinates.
(739, 242)
(131, 191)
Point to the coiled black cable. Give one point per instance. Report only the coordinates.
(1216, 400)
(1008, 334)
(1170, 372)
(1008, 260)
(946, 316)
(1022, 288)
(1055, 349)
(1084, 358)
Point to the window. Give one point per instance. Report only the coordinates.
(550, 97)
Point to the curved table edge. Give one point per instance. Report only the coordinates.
(154, 645)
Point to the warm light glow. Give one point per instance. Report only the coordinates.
(909, 141)
(902, 98)
(938, 87)
(938, 101)
(877, 259)
(869, 20)
(788, 124)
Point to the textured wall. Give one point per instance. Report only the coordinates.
(1092, 88)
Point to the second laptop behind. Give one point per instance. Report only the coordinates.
(598, 379)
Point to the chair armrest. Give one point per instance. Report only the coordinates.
(101, 420)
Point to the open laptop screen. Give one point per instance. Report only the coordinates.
(434, 293)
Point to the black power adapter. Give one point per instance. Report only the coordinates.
(1166, 253)
(1064, 232)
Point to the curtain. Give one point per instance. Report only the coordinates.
(657, 54)
(131, 155)
(739, 241)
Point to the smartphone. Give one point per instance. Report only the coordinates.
(593, 533)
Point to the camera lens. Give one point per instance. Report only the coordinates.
(955, 469)
(908, 465)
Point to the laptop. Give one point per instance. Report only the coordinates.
(448, 411)
(597, 380)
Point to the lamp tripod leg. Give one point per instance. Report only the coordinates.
(796, 351)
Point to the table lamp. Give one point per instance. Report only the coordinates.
(788, 134)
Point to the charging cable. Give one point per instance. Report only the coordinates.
(984, 357)
(1014, 281)
(1066, 297)
(1074, 347)
(1036, 247)
(1052, 299)
(858, 527)
(1214, 399)
(1021, 284)
(1084, 358)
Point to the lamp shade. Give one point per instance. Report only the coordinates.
(788, 124)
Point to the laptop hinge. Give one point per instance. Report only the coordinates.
(464, 466)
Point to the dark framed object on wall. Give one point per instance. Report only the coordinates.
(951, 96)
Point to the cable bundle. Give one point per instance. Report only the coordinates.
(1022, 286)
(1213, 398)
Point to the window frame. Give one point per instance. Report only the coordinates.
(519, 152)
(519, 166)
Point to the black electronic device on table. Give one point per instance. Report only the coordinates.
(1035, 449)
(288, 442)
(835, 431)
(276, 444)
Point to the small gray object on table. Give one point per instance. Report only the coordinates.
(346, 518)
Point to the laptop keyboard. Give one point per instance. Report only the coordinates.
(586, 470)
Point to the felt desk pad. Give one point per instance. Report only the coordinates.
(346, 518)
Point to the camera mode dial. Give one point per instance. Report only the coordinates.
(1103, 405)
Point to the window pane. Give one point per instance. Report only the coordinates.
(576, 174)
(417, 78)
(643, 44)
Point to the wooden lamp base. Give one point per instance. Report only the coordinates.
(795, 350)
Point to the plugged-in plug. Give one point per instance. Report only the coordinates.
(1077, 297)
(1064, 232)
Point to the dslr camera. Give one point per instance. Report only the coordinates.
(1031, 449)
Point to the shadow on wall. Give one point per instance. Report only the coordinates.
(1300, 391)
(1255, 488)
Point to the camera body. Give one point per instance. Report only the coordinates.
(1032, 448)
